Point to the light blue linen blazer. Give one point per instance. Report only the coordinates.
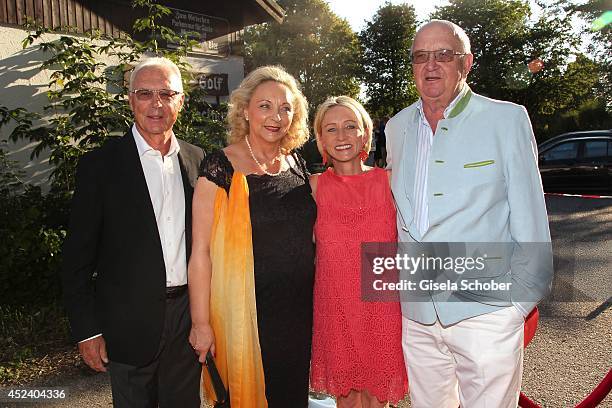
(483, 186)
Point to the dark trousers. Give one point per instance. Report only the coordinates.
(172, 379)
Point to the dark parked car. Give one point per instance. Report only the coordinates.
(577, 163)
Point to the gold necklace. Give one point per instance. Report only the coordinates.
(280, 167)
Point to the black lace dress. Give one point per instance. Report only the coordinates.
(283, 213)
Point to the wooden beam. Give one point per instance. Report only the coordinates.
(78, 12)
(38, 12)
(71, 13)
(47, 16)
(63, 5)
(3, 13)
(29, 9)
(55, 14)
(273, 9)
(20, 10)
(86, 17)
(108, 28)
(11, 10)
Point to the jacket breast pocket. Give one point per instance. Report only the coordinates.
(480, 175)
(477, 164)
(480, 171)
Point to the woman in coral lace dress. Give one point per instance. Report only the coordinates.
(356, 347)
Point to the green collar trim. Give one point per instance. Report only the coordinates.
(461, 105)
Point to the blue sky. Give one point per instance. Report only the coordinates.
(356, 11)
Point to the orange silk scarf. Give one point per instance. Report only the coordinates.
(233, 312)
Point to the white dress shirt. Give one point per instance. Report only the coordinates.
(424, 142)
(165, 184)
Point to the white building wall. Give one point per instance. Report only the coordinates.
(23, 84)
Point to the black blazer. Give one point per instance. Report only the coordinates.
(113, 273)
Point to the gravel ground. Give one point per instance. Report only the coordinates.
(571, 351)
(569, 355)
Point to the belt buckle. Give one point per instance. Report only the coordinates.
(175, 291)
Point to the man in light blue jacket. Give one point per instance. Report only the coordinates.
(464, 170)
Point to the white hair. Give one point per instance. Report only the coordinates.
(157, 62)
(458, 32)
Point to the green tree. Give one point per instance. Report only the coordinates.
(598, 28)
(31, 238)
(313, 44)
(387, 73)
(578, 104)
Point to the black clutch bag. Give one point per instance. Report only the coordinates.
(221, 395)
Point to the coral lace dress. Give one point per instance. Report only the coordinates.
(356, 345)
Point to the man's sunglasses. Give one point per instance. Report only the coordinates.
(421, 57)
(165, 95)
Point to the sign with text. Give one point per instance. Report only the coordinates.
(214, 84)
(210, 32)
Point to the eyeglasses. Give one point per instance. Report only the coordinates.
(421, 57)
(165, 95)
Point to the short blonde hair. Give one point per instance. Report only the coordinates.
(298, 132)
(365, 122)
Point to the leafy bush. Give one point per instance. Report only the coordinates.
(28, 337)
(32, 231)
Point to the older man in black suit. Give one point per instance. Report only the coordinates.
(126, 254)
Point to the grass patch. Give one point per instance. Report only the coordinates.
(33, 340)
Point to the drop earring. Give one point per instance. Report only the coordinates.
(363, 155)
